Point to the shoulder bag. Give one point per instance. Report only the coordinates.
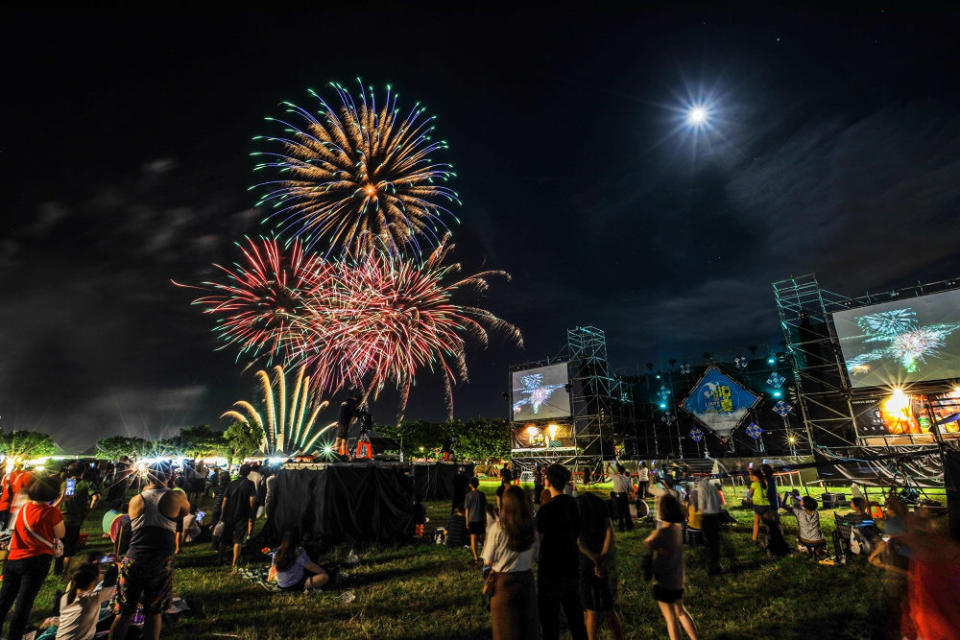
(56, 545)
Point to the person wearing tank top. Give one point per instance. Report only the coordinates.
(146, 573)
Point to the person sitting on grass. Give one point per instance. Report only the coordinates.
(80, 605)
(666, 543)
(295, 570)
(456, 529)
(810, 535)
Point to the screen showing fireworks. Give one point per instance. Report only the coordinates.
(901, 341)
(541, 393)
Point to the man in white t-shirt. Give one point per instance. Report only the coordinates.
(621, 491)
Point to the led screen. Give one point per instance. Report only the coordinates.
(901, 341)
(541, 393)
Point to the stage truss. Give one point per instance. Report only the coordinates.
(601, 407)
(821, 389)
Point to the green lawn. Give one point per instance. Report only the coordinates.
(428, 591)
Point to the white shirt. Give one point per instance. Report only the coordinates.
(497, 555)
(621, 483)
(78, 620)
(643, 474)
(705, 497)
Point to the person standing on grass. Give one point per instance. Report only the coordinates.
(78, 497)
(508, 553)
(772, 497)
(146, 573)
(34, 534)
(237, 512)
(597, 565)
(621, 491)
(14, 493)
(666, 542)
(643, 480)
(475, 516)
(758, 496)
(706, 500)
(558, 523)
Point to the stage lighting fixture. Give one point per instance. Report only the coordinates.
(663, 405)
(792, 439)
(772, 360)
(777, 394)
(552, 430)
(328, 449)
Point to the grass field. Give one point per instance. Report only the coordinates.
(429, 591)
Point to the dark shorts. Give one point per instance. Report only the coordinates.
(666, 595)
(298, 586)
(234, 533)
(477, 528)
(71, 538)
(761, 510)
(149, 582)
(343, 430)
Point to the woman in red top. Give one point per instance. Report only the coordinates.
(35, 533)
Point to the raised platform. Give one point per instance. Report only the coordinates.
(342, 503)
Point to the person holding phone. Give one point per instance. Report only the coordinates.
(78, 497)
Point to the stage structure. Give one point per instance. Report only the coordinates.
(570, 408)
(879, 370)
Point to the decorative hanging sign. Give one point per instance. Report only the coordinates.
(685, 368)
(741, 362)
(718, 402)
(754, 430)
(696, 434)
(776, 380)
(782, 409)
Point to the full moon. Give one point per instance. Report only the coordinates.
(697, 116)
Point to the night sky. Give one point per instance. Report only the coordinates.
(835, 149)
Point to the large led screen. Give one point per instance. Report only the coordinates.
(541, 393)
(901, 341)
(719, 402)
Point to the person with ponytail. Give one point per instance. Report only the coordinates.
(295, 570)
(80, 605)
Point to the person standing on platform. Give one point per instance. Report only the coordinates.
(236, 513)
(706, 500)
(621, 490)
(348, 410)
(558, 577)
(475, 517)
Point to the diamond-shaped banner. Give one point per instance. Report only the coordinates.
(685, 368)
(754, 430)
(782, 409)
(741, 362)
(776, 380)
(667, 418)
(696, 434)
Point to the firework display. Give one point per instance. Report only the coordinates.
(355, 289)
(358, 175)
(899, 342)
(284, 431)
(380, 319)
(259, 297)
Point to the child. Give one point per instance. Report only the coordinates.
(80, 605)
(419, 517)
(666, 542)
(810, 535)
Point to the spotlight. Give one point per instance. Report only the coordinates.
(772, 360)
